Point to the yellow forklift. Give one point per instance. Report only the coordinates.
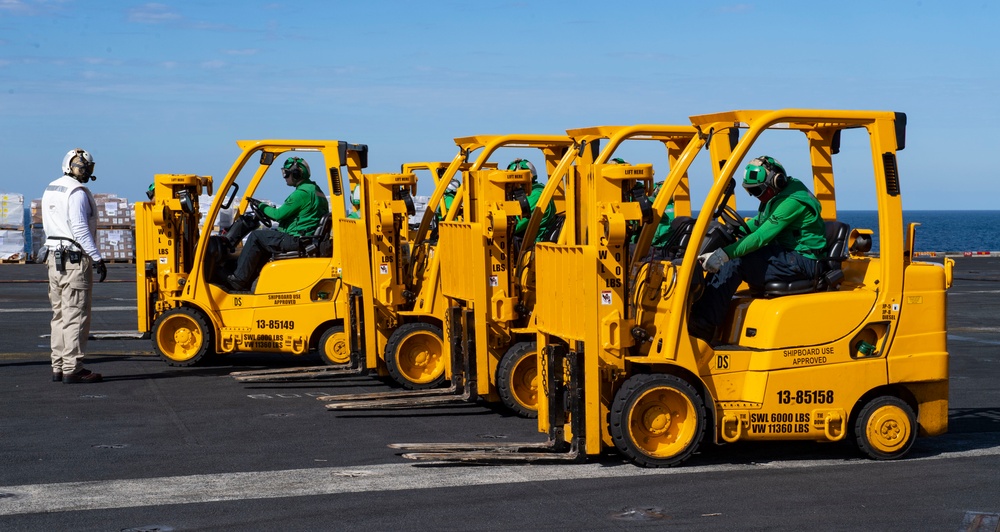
(858, 353)
(382, 208)
(476, 255)
(298, 302)
(487, 273)
(396, 290)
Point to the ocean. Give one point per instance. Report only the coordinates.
(939, 231)
(947, 231)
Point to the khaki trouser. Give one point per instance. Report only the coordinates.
(69, 295)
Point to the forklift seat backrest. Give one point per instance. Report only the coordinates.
(677, 237)
(553, 234)
(317, 245)
(829, 274)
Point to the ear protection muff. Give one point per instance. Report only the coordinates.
(776, 178)
(81, 168)
(293, 168)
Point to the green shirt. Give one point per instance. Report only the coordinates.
(548, 217)
(662, 233)
(302, 210)
(791, 218)
(447, 199)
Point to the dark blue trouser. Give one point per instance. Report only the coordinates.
(767, 264)
(259, 247)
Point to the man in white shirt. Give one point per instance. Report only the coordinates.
(69, 216)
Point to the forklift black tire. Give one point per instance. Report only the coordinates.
(517, 379)
(657, 420)
(333, 348)
(886, 428)
(183, 336)
(414, 356)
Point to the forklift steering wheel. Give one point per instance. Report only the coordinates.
(258, 213)
(734, 222)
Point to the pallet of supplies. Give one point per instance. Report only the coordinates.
(12, 245)
(12, 213)
(116, 244)
(225, 217)
(113, 211)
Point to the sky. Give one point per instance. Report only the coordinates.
(169, 87)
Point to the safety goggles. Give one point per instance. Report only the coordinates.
(755, 190)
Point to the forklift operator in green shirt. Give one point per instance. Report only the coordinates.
(298, 216)
(786, 239)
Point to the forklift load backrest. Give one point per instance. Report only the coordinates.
(828, 269)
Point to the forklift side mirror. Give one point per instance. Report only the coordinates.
(266, 158)
(187, 204)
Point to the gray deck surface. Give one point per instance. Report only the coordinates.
(162, 448)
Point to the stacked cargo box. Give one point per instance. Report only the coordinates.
(115, 228)
(36, 230)
(15, 240)
(225, 217)
(22, 233)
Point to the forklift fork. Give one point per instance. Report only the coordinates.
(565, 404)
(463, 379)
(354, 368)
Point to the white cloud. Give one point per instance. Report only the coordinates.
(152, 13)
(245, 51)
(101, 61)
(14, 6)
(30, 7)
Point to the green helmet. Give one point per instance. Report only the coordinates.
(523, 164)
(356, 196)
(764, 173)
(618, 160)
(296, 168)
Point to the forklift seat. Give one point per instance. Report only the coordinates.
(829, 274)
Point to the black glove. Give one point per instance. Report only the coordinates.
(101, 270)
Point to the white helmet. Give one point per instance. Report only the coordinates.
(453, 185)
(523, 164)
(356, 196)
(79, 165)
